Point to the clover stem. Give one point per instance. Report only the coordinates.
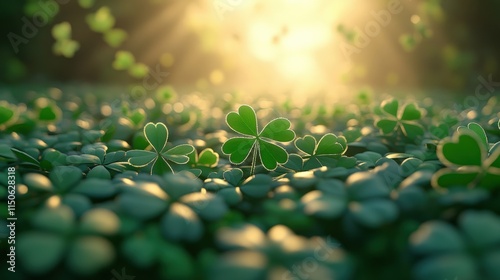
(478, 178)
(254, 158)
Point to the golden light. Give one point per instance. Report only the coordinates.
(53, 202)
(289, 37)
(279, 233)
(415, 19)
(246, 236)
(22, 189)
(292, 47)
(167, 60)
(154, 190)
(289, 34)
(216, 77)
(282, 43)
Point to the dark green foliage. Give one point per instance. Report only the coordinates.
(392, 197)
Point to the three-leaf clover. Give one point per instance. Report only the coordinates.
(244, 122)
(157, 136)
(101, 21)
(123, 60)
(469, 160)
(64, 45)
(320, 153)
(100, 162)
(405, 118)
(203, 163)
(207, 158)
(115, 37)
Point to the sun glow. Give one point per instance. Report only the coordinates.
(297, 47)
(282, 42)
(289, 36)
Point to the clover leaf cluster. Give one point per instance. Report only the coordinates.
(400, 118)
(469, 158)
(320, 193)
(261, 144)
(264, 143)
(158, 159)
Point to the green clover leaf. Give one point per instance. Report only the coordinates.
(442, 249)
(440, 131)
(320, 153)
(157, 137)
(165, 94)
(245, 123)
(232, 176)
(405, 118)
(467, 160)
(478, 130)
(62, 31)
(64, 45)
(100, 162)
(66, 183)
(115, 37)
(86, 4)
(47, 111)
(8, 114)
(66, 48)
(207, 158)
(57, 236)
(123, 60)
(244, 241)
(138, 70)
(203, 163)
(352, 134)
(178, 199)
(101, 21)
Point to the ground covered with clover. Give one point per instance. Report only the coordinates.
(202, 187)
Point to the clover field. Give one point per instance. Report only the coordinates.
(178, 186)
